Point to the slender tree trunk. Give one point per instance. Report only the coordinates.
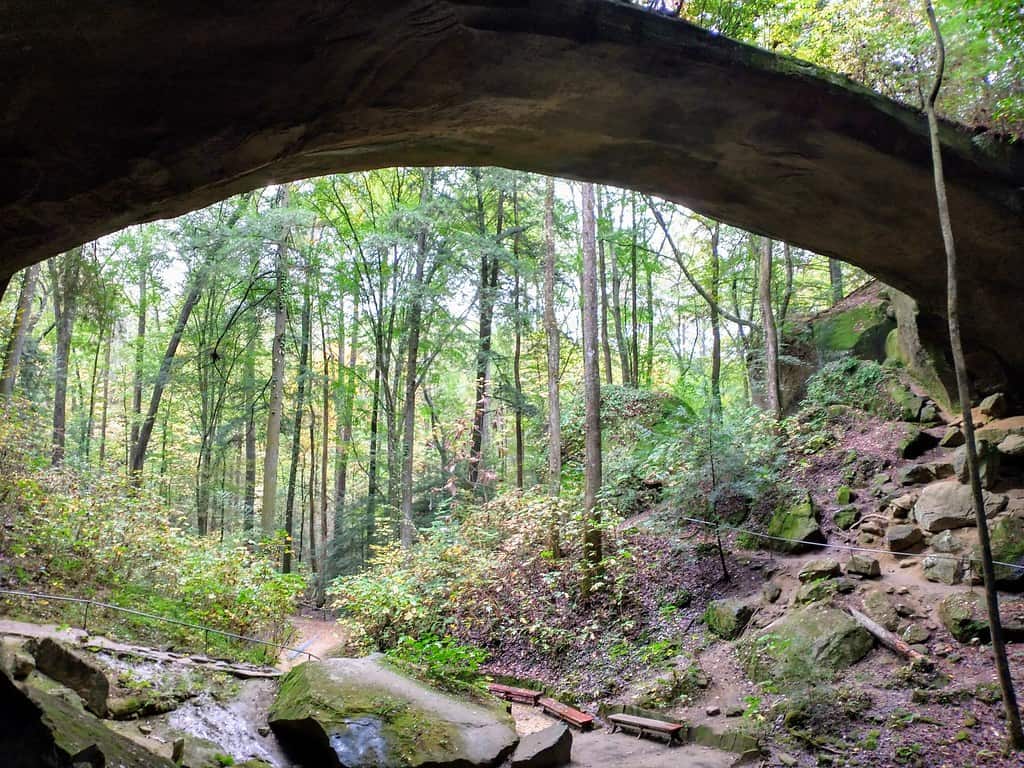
(620, 336)
(272, 451)
(140, 352)
(370, 525)
(554, 364)
(16, 341)
(106, 398)
(249, 438)
(90, 422)
(324, 441)
(345, 415)
(771, 336)
(1014, 730)
(649, 354)
(65, 296)
(592, 398)
(787, 295)
(716, 328)
(634, 343)
(835, 277)
(606, 346)
(138, 451)
(300, 399)
(314, 564)
(517, 354)
(408, 531)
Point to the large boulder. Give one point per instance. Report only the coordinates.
(879, 607)
(989, 462)
(728, 618)
(804, 644)
(821, 568)
(863, 566)
(949, 504)
(1007, 536)
(349, 713)
(39, 730)
(942, 568)
(903, 538)
(795, 527)
(79, 673)
(964, 615)
(550, 748)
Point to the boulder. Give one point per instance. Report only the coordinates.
(997, 431)
(771, 591)
(795, 524)
(903, 538)
(1011, 445)
(814, 591)
(919, 474)
(73, 669)
(846, 516)
(948, 504)
(805, 643)
(844, 495)
(15, 660)
(353, 712)
(822, 568)
(916, 443)
(865, 566)
(728, 618)
(879, 607)
(39, 729)
(989, 461)
(944, 569)
(900, 507)
(953, 438)
(915, 634)
(1007, 537)
(994, 406)
(946, 543)
(964, 615)
(550, 748)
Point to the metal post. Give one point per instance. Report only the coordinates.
(206, 642)
(85, 621)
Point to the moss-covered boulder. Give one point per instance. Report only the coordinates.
(860, 330)
(795, 527)
(37, 728)
(356, 712)
(964, 615)
(728, 618)
(809, 643)
(846, 516)
(1007, 535)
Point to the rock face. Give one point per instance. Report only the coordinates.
(57, 661)
(1007, 536)
(795, 524)
(352, 713)
(805, 644)
(948, 504)
(550, 748)
(728, 618)
(39, 730)
(117, 151)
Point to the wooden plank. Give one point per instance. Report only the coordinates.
(522, 695)
(581, 720)
(663, 726)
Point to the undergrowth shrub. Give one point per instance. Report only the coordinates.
(851, 382)
(94, 535)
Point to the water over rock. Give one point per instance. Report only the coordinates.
(356, 713)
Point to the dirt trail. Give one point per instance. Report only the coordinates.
(314, 636)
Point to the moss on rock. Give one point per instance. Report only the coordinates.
(794, 525)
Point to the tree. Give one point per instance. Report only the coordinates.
(65, 277)
(16, 339)
(771, 336)
(1013, 719)
(591, 396)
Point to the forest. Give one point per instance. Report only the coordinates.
(512, 429)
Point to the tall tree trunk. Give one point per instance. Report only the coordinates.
(1013, 719)
(489, 268)
(716, 328)
(649, 354)
(140, 351)
(272, 450)
(771, 336)
(370, 524)
(787, 294)
(634, 344)
(835, 278)
(517, 354)
(300, 399)
(249, 438)
(554, 363)
(620, 335)
(314, 563)
(65, 274)
(90, 422)
(16, 341)
(163, 377)
(324, 441)
(106, 397)
(606, 346)
(408, 530)
(345, 413)
(592, 399)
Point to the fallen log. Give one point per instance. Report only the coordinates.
(889, 640)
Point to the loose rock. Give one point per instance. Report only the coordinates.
(550, 748)
(819, 569)
(902, 538)
(864, 566)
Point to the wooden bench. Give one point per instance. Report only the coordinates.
(519, 695)
(648, 726)
(581, 720)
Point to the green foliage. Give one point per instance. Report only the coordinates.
(850, 382)
(97, 536)
(441, 660)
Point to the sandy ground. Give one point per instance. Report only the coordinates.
(314, 636)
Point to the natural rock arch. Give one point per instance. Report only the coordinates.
(119, 114)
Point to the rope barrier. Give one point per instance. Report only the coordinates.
(846, 547)
(202, 628)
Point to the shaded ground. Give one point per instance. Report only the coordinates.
(313, 636)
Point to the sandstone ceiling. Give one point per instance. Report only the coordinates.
(115, 113)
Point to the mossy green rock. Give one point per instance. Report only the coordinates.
(1007, 535)
(359, 712)
(846, 516)
(815, 641)
(844, 495)
(728, 618)
(861, 330)
(796, 524)
(964, 615)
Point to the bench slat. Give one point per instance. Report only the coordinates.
(515, 694)
(646, 723)
(572, 716)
